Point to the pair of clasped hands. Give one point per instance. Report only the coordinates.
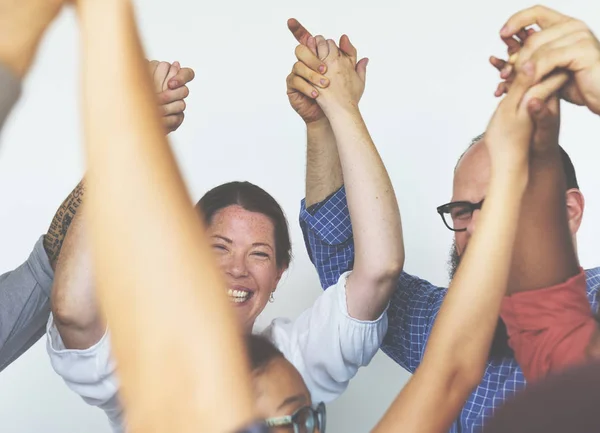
(560, 60)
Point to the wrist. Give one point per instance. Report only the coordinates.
(339, 109)
(318, 125)
(513, 176)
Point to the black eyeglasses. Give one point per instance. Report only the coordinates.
(457, 215)
(304, 420)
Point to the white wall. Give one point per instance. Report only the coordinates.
(429, 91)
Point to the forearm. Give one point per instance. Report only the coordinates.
(128, 143)
(464, 327)
(457, 349)
(74, 306)
(377, 228)
(54, 238)
(323, 169)
(10, 89)
(544, 252)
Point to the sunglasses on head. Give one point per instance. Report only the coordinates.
(304, 420)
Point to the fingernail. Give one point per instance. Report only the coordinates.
(322, 69)
(366, 63)
(323, 82)
(504, 31)
(528, 68)
(314, 94)
(535, 106)
(504, 72)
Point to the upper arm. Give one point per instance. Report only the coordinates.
(544, 253)
(326, 345)
(74, 306)
(24, 305)
(327, 233)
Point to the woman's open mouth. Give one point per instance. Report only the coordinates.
(239, 295)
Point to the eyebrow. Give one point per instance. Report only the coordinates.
(299, 398)
(255, 244)
(223, 238)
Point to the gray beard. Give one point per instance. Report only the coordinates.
(500, 348)
(453, 261)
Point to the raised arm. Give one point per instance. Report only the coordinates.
(323, 169)
(372, 204)
(457, 350)
(170, 84)
(22, 25)
(328, 241)
(162, 339)
(74, 306)
(548, 315)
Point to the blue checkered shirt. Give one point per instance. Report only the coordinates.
(413, 308)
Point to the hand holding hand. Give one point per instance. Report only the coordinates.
(307, 78)
(564, 43)
(346, 77)
(509, 136)
(170, 84)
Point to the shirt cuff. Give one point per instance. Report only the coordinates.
(40, 266)
(329, 219)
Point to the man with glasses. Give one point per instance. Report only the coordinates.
(416, 302)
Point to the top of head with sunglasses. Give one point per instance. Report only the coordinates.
(282, 397)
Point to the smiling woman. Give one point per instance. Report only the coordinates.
(249, 238)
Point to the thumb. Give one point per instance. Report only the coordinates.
(361, 69)
(347, 47)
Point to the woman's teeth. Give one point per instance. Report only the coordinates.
(238, 296)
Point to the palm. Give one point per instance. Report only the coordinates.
(306, 107)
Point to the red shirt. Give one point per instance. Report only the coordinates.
(550, 329)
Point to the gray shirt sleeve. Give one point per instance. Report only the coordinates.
(10, 89)
(24, 304)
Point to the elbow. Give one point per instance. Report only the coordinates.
(70, 315)
(382, 273)
(466, 377)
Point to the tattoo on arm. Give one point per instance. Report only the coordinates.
(53, 240)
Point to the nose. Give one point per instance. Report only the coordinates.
(473, 222)
(236, 266)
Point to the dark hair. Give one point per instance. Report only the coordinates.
(261, 351)
(569, 169)
(253, 199)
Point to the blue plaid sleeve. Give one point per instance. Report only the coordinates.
(328, 237)
(413, 309)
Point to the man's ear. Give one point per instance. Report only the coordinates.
(575, 207)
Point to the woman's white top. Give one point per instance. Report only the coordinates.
(324, 343)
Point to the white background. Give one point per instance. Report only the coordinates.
(429, 91)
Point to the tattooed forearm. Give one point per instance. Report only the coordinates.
(60, 223)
